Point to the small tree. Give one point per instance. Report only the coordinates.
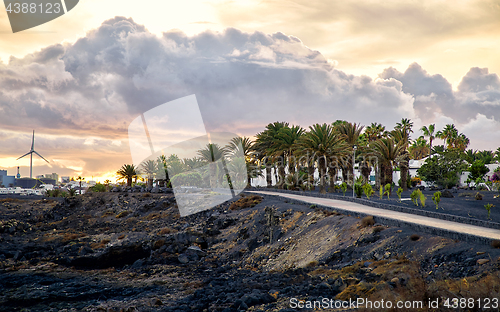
(367, 188)
(381, 192)
(422, 199)
(343, 186)
(387, 188)
(358, 189)
(477, 170)
(80, 179)
(436, 198)
(415, 195)
(399, 192)
(488, 208)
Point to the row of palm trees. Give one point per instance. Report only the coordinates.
(163, 168)
(293, 154)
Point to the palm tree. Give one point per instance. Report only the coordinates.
(324, 143)
(374, 131)
(150, 167)
(264, 143)
(419, 148)
(80, 179)
(352, 134)
(283, 146)
(389, 153)
(448, 134)
(471, 156)
(127, 172)
(212, 153)
(244, 146)
(497, 154)
(461, 142)
(429, 132)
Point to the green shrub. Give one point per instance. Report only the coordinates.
(399, 192)
(381, 192)
(187, 179)
(368, 190)
(358, 189)
(387, 188)
(436, 198)
(422, 199)
(343, 186)
(488, 208)
(415, 195)
(98, 188)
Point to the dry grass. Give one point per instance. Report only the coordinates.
(157, 244)
(378, 229)
(367, 221)
(166, 231)
(288, 224)
(152, 216)
(107, 214)
(312, 264)
(100, 245)
(123, 214)
(11, 200)
(246, 202)
(72, 236)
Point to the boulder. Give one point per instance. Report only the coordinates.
(183, 258)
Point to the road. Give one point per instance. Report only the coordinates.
(394, 215)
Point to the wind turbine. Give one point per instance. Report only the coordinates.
(31, 155)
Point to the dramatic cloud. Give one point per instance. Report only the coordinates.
(88, 92)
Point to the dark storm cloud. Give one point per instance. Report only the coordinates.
(96, 86)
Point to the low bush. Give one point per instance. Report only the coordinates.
(358, 190)
(415, 237)
(343, 186)
(187, 179)
(367, 221)
(495, 243)
(415, 195)
(368, 190)
(399, 192)
(488, 207)
(378, 229)
(436, 198)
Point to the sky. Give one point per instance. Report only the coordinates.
(80, 80)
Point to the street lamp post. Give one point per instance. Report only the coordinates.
(353, 161)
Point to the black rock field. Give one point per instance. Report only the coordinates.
(123, 251)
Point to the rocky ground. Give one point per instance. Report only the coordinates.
(133, 252)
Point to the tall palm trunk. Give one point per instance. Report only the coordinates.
(332, 177)
(310, 174)
(281, 171)
(269, 177)
(388, 174)
(213, 174)
(403, 165)
(322, 174)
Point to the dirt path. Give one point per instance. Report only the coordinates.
(395, 215)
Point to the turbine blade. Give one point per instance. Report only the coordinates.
(40, 156)
(24, 155)
(33, 141)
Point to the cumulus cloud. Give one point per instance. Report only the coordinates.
(92, 89)
(474, 107)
